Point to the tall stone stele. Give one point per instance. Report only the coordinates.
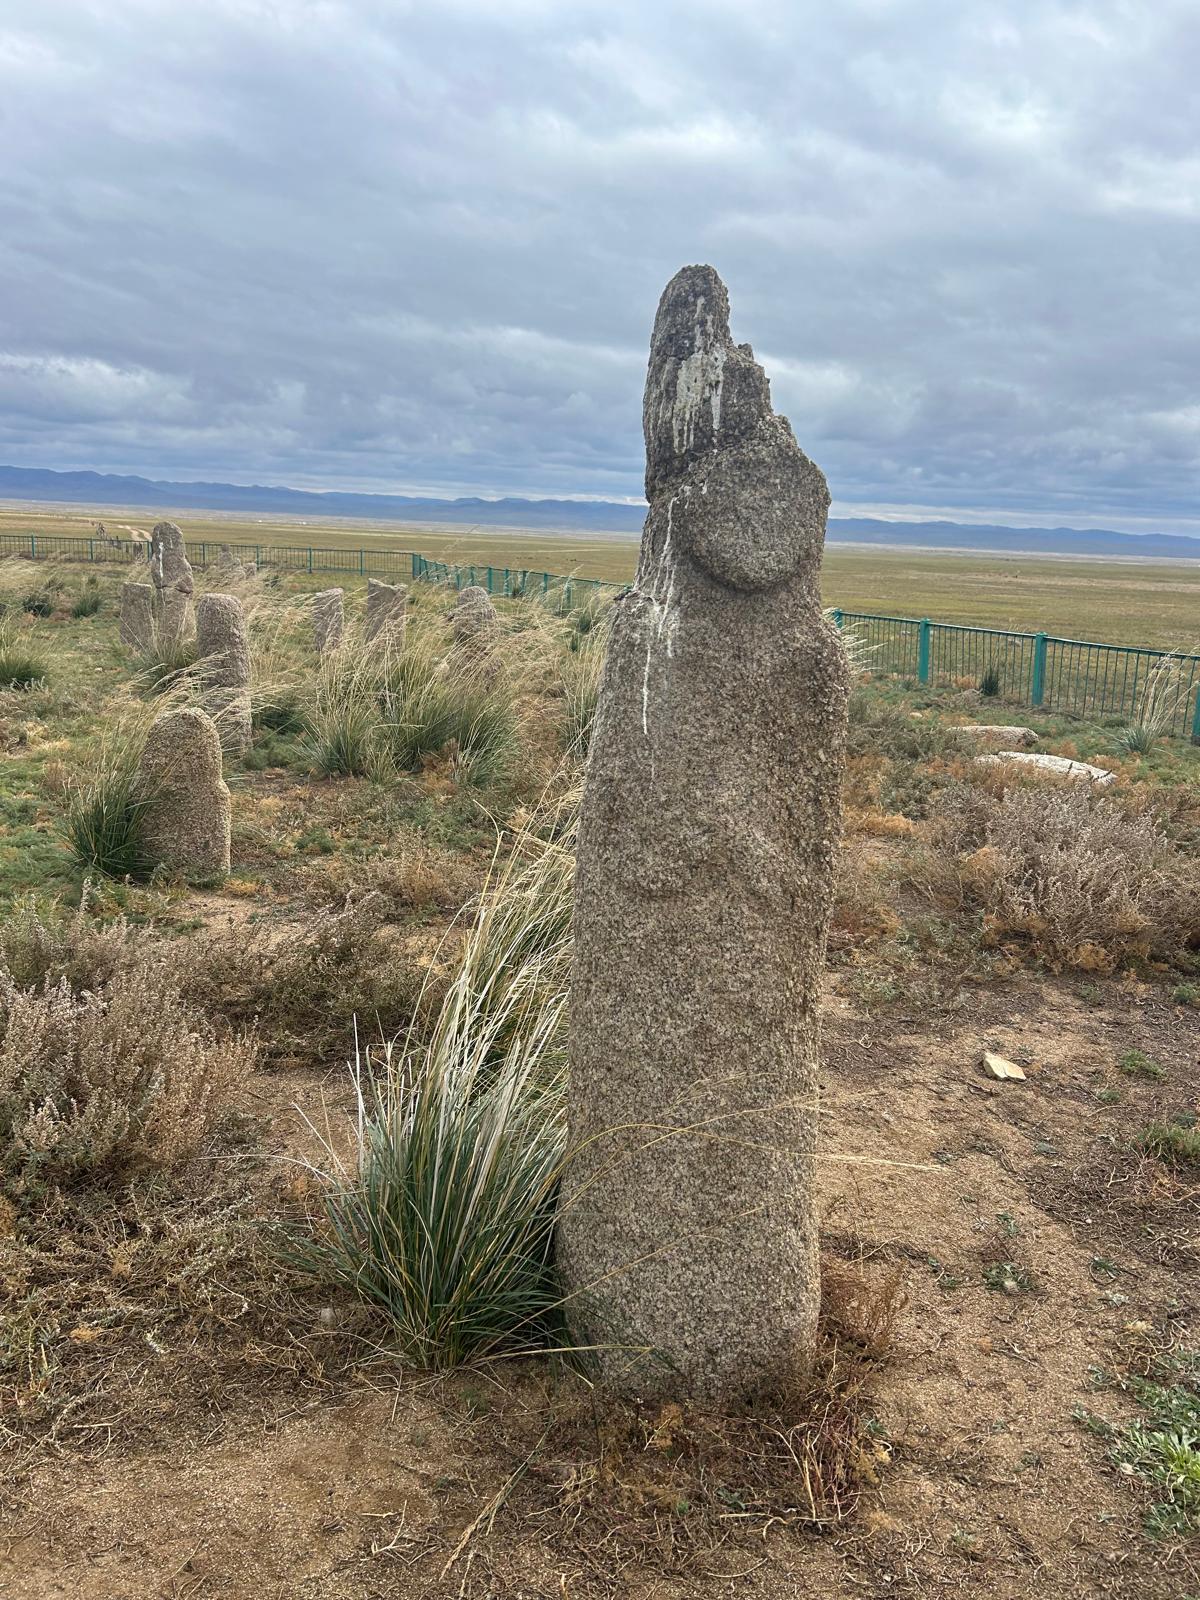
(171, 575)
(136, 627)
(474, 622)
(687, 1236)
(328, 619)
(223, 666)
(387, 611)
(186, 821)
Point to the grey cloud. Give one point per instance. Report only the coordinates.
(390, 246)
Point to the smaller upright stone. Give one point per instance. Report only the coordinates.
(223, 664)
(476, 621)
(136, 628)
(225, 559)
(171, 574)
(387, 607)
(329, 619)
(185, 825)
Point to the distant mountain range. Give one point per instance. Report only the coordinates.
(566, 516)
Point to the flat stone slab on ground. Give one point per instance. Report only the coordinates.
(1059, 766)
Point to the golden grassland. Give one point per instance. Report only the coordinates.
(1154, 603)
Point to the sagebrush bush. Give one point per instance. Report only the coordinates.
(1085, 882)
(104, 1067)
(302, 987)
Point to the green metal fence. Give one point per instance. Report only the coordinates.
(1077, 677)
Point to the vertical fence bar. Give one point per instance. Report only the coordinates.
(923, 651)
(1037, 689)
(1196, 718)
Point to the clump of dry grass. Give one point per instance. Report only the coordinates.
(412, 874)
(661, 1488)
(1167, 687)
(1072, 872)
(104, 1067)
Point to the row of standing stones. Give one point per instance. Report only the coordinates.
(687, 1239)
(187, 827)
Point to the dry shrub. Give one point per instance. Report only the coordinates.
(104, 1067)
(863, 908)
(304, 987)
(416, 876)
(860, 1310)
(1085, 882)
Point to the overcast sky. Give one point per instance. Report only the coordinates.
(419, 247)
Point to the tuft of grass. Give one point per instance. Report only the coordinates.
(430, 706)
(1085, 882)
(165, 663)
(106, 802)
(1167, 687)
(1176, 1142)
(39, 602)
(87, 603)
(1135, 1064)
(22, 663)
(581, 671)
(444, 1218)
(990, 681)
(343, 723)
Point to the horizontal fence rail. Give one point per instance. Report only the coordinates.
(1077, 677)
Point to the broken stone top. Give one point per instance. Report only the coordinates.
(169, 565)
(727, 483)
(700, 386)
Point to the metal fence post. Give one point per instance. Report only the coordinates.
(361, 568)
(310, 560)
(923, 651)
(33, 546)
(837, 616)
(1037, 689)
(1196, 718)
(91, 549)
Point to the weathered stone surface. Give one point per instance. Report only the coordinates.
(387, 608)
(136, 628)
(996, 733)
(475, 620)
(223, 665)
(171, 575)
(329, 619)
(687, 1234)
(186, 826)
(1058, 766)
